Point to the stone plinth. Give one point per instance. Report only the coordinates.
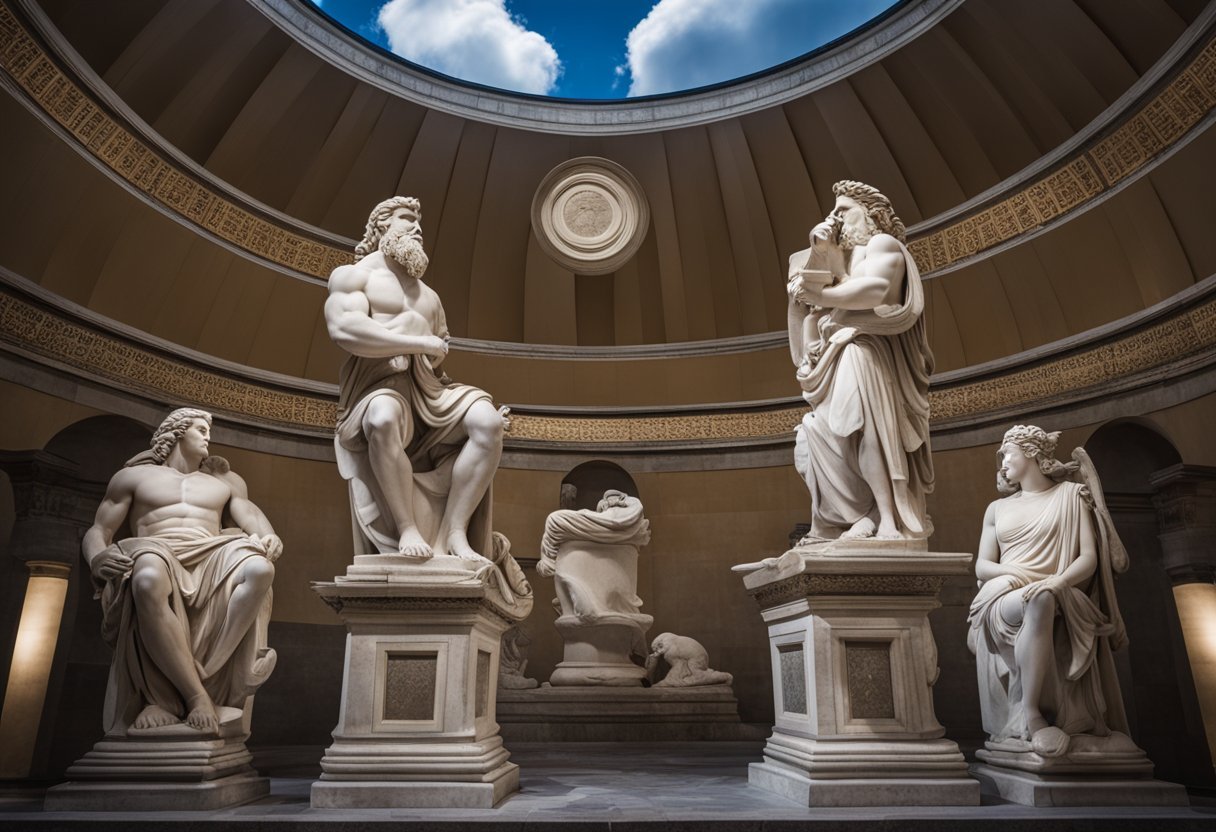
(854, 663)
(417, 722)
(1095, 771)
(162, 769)
(634, 714)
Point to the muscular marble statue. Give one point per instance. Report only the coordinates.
(857, 337)
(185, 602)
(418, 450)
(1046, 618)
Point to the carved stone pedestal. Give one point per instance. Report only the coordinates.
(1095, 771)
(417, 723)
(854, 664)
(163, 769)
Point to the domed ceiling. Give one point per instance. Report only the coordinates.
(249, 140)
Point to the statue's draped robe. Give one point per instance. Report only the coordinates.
(1081, 694)
(868, 371)
(438, 408)
(202, 572)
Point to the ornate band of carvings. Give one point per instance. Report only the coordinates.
(141, 165)
(43, 333)
(84, 349)
(1143, 135)
(800, 586)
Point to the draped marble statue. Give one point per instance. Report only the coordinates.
(687, 662)
(857, 337)
(592, 557)
(418, 450)
(1045, 619)
(185, 601)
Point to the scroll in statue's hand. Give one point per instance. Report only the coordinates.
(111, 563)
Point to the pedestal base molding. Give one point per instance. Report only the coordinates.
(159, 775)
(598, 714)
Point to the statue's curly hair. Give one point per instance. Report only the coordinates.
(1039, 445)
(876, 205)
(377, 221)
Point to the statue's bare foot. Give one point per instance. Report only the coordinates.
(154, 716)
(412, 545)
(887, 530)
(1049, 741)
(862, 529)
(458, 546)
(202, 715)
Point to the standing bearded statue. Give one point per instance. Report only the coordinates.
(857, 337)
(418, 450)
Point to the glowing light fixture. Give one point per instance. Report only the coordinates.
(30, 672)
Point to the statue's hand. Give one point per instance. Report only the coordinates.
(1055, 585)
(273, 546)
(827, 234)
(111, 563)
(434, 346)
(504, 413)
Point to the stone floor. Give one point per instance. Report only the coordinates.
(594, 787)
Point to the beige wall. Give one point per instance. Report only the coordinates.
(703, 523)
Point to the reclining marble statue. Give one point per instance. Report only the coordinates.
(1046, 618)
(418, 450)
(857, 337)
(185, 601)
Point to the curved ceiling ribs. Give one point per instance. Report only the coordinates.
(1024, 144)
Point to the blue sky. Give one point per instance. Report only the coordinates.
(600, 48)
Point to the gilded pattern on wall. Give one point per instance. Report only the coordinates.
(141, 166)
(1144, 135)
(96, 354)
(90, 352)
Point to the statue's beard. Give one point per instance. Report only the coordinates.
(405, 249)
(854, 235)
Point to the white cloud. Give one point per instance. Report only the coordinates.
(476, 40)
(690, 43)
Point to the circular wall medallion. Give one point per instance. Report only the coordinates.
(590, 215)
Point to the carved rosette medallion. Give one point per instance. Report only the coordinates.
(590, 215)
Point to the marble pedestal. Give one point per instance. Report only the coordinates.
(417, 722)
(162, 769)
(854, 663)
(1095, 771)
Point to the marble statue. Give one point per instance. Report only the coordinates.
(1046, 619)
(592, 557)
(513, 660)
(688, 662)
(185, 600)
(857, 337)
(418, 450)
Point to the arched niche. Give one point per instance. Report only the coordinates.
(1154, 670)
(591, 479)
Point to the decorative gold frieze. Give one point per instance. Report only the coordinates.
(143, 167)
(93, 353)
(134, 368)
